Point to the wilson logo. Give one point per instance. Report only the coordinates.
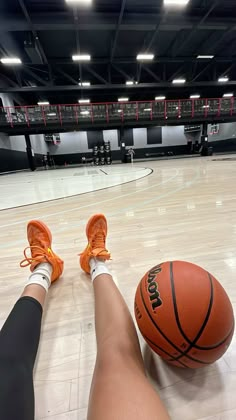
(154, 294)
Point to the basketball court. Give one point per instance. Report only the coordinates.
(157, 211)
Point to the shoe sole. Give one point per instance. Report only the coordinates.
(40, 225)
(92, 220)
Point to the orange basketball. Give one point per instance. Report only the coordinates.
(184, 314)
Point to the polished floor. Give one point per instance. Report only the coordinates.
(184, 209)
(19, 189)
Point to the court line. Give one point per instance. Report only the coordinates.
(121, 210)
(77, 194)
(98, 202)
(104, 172)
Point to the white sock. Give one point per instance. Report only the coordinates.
(41, 276)
(98, 267)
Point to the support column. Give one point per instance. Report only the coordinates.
(204, 136)
(30, 153)
(205, 150)
(122, 144)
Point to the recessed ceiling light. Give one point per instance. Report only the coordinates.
(83, 2)
(223, 79)
(41, 103)
(178, 81)
(84, 101)
(206, 106)
(85, 84)
(205, 57)
(228, 95)
(123, 99)
(84, 112)
(119, 110)
(160, 98)
(145, 56)
(147, 109)
(81, 57)
(129, 82)
(51, 114)
(195, 96)
(175, 2)
(11, 60)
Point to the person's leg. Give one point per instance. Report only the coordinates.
(120, 389)
(19, 337)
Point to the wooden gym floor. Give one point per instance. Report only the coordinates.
(185, 209)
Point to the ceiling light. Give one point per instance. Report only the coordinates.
(178, 81)
(145, 56)
(160, 98)
(147, 109)
(41, 103)
(83, 2)
(84, 101)
(84, 112)
(195, 96)
(119, 110)
(206, 106)
(228, 95)
(205, 57)
(129, 82)
(81, 57)
(11, 60)
(51, 114)
(175, 2)
(123, 99)
(223, 79)
(85, 84)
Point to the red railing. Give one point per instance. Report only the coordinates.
(115, 112)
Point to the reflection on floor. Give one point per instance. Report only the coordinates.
(29, 188)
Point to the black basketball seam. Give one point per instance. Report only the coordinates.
(176, 308)
(196, 339)
(164, 351)
(192, 343)
(215, 345)
(166, 338)
(160, 348)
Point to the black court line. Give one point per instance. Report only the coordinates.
(103, 171)
(77, 195)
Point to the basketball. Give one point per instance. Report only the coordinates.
(184, 314)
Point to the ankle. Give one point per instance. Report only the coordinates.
(41, 275)
(98, 268)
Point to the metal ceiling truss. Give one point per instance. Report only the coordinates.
(99, 22)
(35, 35)
(113, 48)
(53, 88)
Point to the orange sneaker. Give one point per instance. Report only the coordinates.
(96, 232)
(40, 241)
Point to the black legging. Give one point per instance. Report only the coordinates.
(19, 340)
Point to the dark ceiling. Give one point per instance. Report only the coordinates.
(45, 34)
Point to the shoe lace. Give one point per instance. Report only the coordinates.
(29, 260)
(99, 241)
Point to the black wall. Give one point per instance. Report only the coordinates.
(95, 138)
(12, 160)
(154, 135)
(220, 146)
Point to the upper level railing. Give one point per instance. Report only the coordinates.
(117, 112)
